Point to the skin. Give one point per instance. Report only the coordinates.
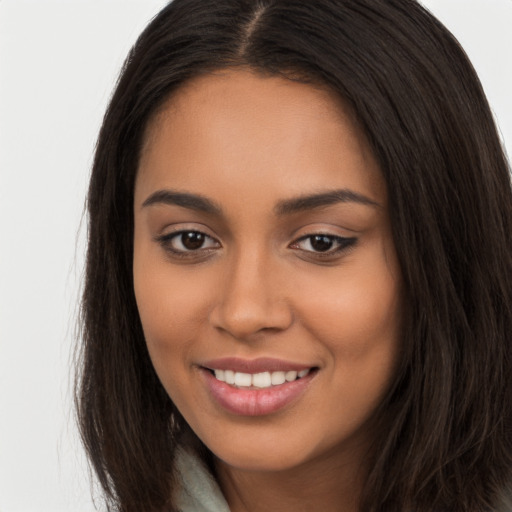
(259, 288)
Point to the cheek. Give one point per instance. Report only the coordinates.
(357, 318)
(357, 313)
(359, 324)
(172, 311)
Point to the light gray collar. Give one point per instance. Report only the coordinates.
(199, 491)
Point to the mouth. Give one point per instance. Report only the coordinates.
(261, 380)
(256, 388)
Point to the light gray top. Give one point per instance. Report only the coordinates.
(199, 491)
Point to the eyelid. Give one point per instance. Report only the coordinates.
(174, 229)
(177, 234)
(343, 244)
(166, 239)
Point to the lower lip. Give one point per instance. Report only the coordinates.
(256, 402)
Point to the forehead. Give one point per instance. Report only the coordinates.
(254, 96)
(233, 126)
(253, 86)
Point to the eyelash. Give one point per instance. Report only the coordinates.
(342, 244)
(167, 240)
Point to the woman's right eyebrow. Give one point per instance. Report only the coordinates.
(184, 199)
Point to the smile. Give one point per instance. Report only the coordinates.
(258, 387)
(258, 380)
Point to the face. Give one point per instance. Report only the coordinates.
(265, 273)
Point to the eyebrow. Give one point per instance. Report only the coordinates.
(313, 201)
(184, 199)
(286, 207)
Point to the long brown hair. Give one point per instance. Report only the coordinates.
(446, 425)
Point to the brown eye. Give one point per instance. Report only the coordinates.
(183, 242)
(323, 244)
(192, 240)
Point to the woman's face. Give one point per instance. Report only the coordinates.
(265, 272)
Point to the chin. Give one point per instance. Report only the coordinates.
(264, 452)
(261, 460)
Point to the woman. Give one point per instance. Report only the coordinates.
(298, 285)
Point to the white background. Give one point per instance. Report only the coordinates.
(58, 64)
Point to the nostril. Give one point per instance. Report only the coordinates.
(244, 319)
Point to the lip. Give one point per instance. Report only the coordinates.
(261, 364)
(253, 401)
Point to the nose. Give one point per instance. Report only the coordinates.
(251, 298)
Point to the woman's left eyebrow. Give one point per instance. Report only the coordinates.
(312, 201)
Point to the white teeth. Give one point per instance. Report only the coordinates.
(261, 380)
(229, 376)
(243, 379)
(278, 378)
(291, 375)
(258, 380)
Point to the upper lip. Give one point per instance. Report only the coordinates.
(259, 365)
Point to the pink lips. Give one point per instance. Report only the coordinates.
(262, 364)
(252, 401)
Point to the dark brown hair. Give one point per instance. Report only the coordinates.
(445, 439)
